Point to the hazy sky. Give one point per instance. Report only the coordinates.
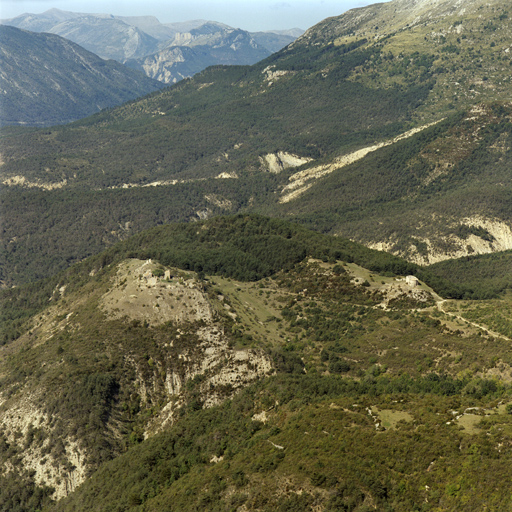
(250, 15)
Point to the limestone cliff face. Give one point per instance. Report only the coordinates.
(170, 65)
(191, 52)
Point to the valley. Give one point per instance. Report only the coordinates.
(278, 286)
(49, 80)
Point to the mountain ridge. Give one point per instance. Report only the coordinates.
(321, 99)
(139, 353)
(49, 80)
(137, 38)
(170, 340)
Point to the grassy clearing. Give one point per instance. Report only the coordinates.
(257, 306)
(470, 422)
(390, 418)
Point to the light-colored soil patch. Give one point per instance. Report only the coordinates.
(139, 295)
(502, 371)
(21, 181)
(502, 408)
(219, 201)
(160, 183)
(277, 162)
(443, 247)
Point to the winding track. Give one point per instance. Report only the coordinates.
(439, 305)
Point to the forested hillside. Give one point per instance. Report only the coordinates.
(448, 182)
(174, 336)
(349, 130)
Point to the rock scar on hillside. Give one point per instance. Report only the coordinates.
(146, 292)
(303, 180)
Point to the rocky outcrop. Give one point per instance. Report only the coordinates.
(28, 429)
(169, 66)
(277, 162)
(488, 236)
(195, 365)
(219, 369)
(190, 53)
(143, 292)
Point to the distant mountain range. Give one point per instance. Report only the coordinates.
(46, 79)
(156, 48)
(194, 51)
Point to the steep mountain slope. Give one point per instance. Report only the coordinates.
(275, 41)
(252, 362)
(465, 44)
(107, 37)
(449, 182)
(42, 22)
(94, 412)
(409, 120)
(48, 80)
(151, 26)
